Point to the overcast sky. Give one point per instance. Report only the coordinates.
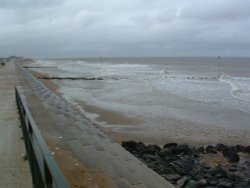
(78, 28)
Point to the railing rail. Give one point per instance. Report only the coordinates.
(44, 170)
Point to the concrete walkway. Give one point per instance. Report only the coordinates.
(14, 170)
(69, 133)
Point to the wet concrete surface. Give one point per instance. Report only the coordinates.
(14, 170)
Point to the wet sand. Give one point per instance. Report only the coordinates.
(108, 116)
(180, 131)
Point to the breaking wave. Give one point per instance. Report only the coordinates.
(240, 86)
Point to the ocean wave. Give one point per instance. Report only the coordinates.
(240, 86)
(45, 63)
(106, 69)
(164, 71)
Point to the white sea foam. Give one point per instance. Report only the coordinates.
(45, 63)
(163, 71)
(106, 69)
(240, 86)
(204, 91)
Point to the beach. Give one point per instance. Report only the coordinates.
(197, 101)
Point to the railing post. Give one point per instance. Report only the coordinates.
(48, 177)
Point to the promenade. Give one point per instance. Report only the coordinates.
(14, 170)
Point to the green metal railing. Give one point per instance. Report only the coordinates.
(44, 170)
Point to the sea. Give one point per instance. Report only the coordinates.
(163, 95)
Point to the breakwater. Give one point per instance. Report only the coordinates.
(187, 166)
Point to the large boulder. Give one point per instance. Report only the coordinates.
(129, 145)
(219, 147)
(139, 146)
(231, 154)
(218, 172)
(170, 145)
(211, 149)
(133, 147)
(240, 148)
(200, 150)
(248, 149)
(154, 147)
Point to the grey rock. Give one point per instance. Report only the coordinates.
(242, 185)
(192, 184)
(240, 148)
(218, 172)
(184, 164)
(179, 170)
(231, 154)
(172, 177)
(139, 146)
(219, 147)
(248, 149)
(170, 145)
(129, 145)
(211, 149)
(212, 182)
(233, 169)
(182, 182)
(167, 170)
(184, 149)
(202, 182)
(147, 151)
(225, 185)
(200, 150)
(154, 147)
(150, 157)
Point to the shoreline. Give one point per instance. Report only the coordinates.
(120, 127)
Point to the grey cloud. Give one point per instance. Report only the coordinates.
(217, 10)
(17, 4)
(124, 27)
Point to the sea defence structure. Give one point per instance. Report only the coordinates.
(66, 148)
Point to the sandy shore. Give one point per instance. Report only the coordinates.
(121, 127)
